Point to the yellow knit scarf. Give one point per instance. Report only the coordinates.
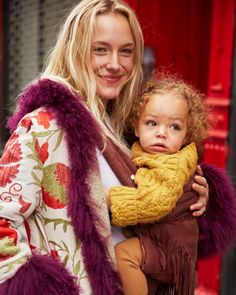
(159, 179)
(183, 163)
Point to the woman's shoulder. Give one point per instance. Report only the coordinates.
(41, 118)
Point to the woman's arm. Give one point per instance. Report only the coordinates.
(18, 199)
(21, 171)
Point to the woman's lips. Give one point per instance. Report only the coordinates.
(111, 79)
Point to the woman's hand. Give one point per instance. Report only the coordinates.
(200, 186)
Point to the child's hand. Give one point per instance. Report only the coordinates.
(107, 198)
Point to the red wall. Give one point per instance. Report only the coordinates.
(180, 35)
(195, 38)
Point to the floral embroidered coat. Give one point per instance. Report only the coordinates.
(54, 224)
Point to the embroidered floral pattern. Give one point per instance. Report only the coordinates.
(8, 240)
(55, 185)
(43, 181)
(26, 122)
(7, 174)
(42, 151)
(43, 118)
(12, 154)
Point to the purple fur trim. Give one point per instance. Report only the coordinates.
(40, 275)
(83, 136)
(218, 227)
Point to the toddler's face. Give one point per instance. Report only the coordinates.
(162, 126)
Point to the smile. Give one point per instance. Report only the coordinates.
(111, 79)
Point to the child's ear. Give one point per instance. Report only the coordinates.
(136, 132)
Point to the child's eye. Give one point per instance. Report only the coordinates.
(175, 127)
(150, 123)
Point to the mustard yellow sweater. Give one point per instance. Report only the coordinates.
(159, 179)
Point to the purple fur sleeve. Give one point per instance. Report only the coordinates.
(218, 227)
(40, 275)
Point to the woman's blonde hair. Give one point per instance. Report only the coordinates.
(169, 83)
(69, 62)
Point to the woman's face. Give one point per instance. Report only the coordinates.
(112, 54)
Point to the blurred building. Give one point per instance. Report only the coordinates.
(196, 38)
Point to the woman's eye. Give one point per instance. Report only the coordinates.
(150, 123)
(127, 51)
(100, 50)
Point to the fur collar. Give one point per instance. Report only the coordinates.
(83, 136)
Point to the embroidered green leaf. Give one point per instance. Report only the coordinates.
(65, 259)
(42, 134)
(30, 145)
(59, 139)
(12, 265)
(65, 246)
(65, 227)
(57, 221)
(77, 267)
(55, 244)
(36, 179)
(38, 167)
(33, 156)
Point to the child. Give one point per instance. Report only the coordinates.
(169, 119)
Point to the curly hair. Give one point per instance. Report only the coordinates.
(169, 83)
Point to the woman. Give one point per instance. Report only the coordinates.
(55, 227)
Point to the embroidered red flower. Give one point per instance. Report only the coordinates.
(28, 233)
(55, 255)
(7, 174)
(12, 154)
(51, 201)
(63, 176)
(12, 139)
(24, 205)
(43, 118)
(42, 151)
(55, 184)
(7, 232)
(26, 122)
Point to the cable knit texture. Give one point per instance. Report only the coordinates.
(159, 179)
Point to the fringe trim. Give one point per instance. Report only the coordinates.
(178, 261)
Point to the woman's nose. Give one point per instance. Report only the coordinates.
(113, 62)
